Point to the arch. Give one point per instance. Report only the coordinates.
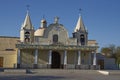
(56, 60)
(55, 38)
(82, 39)
(27, 32)
(27, 36)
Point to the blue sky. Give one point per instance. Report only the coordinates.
(101, 17)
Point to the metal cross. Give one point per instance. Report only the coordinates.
(28, 6)
(80, 11)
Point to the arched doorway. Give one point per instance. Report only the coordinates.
(55, 60)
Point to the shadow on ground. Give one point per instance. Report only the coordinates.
(31, 78)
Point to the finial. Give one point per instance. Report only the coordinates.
(28, 6)
(80, 11)
(86, 29)
(43, 16)
(56, 19)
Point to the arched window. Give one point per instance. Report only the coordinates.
(27, 36)
(55, 38)
(82, 39)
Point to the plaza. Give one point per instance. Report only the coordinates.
(55, 74)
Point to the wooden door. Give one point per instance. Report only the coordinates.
(101, 63)
(1, 61)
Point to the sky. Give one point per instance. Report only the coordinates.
(100, 17)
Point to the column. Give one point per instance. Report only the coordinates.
(18, 58)
(36, 58)
(89, 60)
(94, 59)
(65, 59)
(79, 58)
(50, 59)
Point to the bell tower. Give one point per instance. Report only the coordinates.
(27, 30)
(80, 32)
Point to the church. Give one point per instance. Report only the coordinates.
(50, 47)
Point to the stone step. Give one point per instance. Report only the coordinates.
(19, 71)
(114, 72)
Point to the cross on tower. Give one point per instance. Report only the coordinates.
(80, 11)
(28, 6)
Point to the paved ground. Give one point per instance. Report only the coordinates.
(59, 75)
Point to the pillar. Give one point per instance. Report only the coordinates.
(36, 58)
(50, 59)
(94, 59)
(78, 60)
(65, 59)
(89, 60)
(18, 58)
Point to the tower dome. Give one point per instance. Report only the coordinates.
(43, 23)
(39, 32)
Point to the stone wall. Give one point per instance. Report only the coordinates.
(8, 51)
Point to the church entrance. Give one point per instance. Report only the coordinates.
(55, 60)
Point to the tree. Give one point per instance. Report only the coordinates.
(109, 51)
(117, 54)
(112, 47)
(106, 51)
(112, 51)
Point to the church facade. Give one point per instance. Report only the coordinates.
(51, 47)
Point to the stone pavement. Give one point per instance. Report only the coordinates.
(52, 74)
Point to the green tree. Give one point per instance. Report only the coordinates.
(117, 54)
(109, 51)
(112, 47)
(106, 51)
(112, 51)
